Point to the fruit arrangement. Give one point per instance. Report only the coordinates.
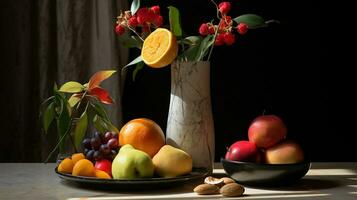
(137, 151)
(267, 144)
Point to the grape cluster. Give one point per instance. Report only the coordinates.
(101, 146)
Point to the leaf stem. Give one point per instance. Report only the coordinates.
(136, 33)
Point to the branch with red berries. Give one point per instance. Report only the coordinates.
(142, 21)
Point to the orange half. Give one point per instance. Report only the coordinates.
(159, 49)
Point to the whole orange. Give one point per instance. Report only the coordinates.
(143, 134)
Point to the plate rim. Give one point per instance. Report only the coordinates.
(198, 173)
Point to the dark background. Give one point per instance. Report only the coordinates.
(277, 70)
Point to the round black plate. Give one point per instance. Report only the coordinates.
(254, 174)
(140, 183)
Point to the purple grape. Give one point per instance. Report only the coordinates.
(115, 135)
(113, 143)
(85, 151)
(90, 155)
(98, 135)
(107, 137)
(104, 149)
(97, 155)
(86, 143)
(112, 155)
(95, 143)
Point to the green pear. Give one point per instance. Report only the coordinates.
(172, 162)
(131, 163)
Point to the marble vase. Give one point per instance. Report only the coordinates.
(190, 122)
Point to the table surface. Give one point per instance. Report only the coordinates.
(39, 181)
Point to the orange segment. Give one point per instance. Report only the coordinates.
(102, 174)
(159, 49)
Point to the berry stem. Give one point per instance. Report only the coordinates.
(214, 39)
(136, 33)
(217, 9)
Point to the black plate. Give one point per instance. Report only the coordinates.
(254, 174)
(140, 183)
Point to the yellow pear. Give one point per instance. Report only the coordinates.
(172, 162)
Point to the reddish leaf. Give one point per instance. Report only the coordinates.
(98, 77)
(102, 95)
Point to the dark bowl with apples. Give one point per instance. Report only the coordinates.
(265, 175)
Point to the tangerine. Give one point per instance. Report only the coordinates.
(77, 156)
(83, 167)
(66, 166)
(143, 134)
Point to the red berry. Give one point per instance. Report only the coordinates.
(143, 16)
(229, 38)
(225, 23)
(156, 9)
(224, 7)
(159, 20)
(242, 28)
(203, 30)
(219, 40)
(211, 30)
(119, 29)
(133, 22)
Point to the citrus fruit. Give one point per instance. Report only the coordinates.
(143, 134)
(102, 174)
(83, 167)
(159, 49)
(65, 166)
(77, 156)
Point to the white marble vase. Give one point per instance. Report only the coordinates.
(190, 122)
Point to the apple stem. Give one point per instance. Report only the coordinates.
(263, 112)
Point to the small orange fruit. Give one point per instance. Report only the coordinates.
(102, 174)
(143, 134)
(77, 156)
(159, 49)
(66, 166)
(83, 167)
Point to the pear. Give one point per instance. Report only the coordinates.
(131, 163)
(172, 162)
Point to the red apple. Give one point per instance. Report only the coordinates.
(266, 131)
(286, 152)
(104, 165)
(243, 151)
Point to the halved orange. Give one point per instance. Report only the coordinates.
(159, 49)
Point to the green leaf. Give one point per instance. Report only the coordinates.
(63, 121)
(131, 42)
(192, 40)
(135, 5)
(73, 100)
(99, 124)
(80, 130)
(49, 116)
(100, 110)
(71, 87)
(103, 125)
(175, 25)
(138, 67)
(191, 53)
(252, 20)
(204, 46)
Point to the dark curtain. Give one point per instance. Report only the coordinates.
(51, 41)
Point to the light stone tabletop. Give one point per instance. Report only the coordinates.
(39, 181)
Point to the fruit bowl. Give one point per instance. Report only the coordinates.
(265, 175)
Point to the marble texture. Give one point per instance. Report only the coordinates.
(190, 122)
